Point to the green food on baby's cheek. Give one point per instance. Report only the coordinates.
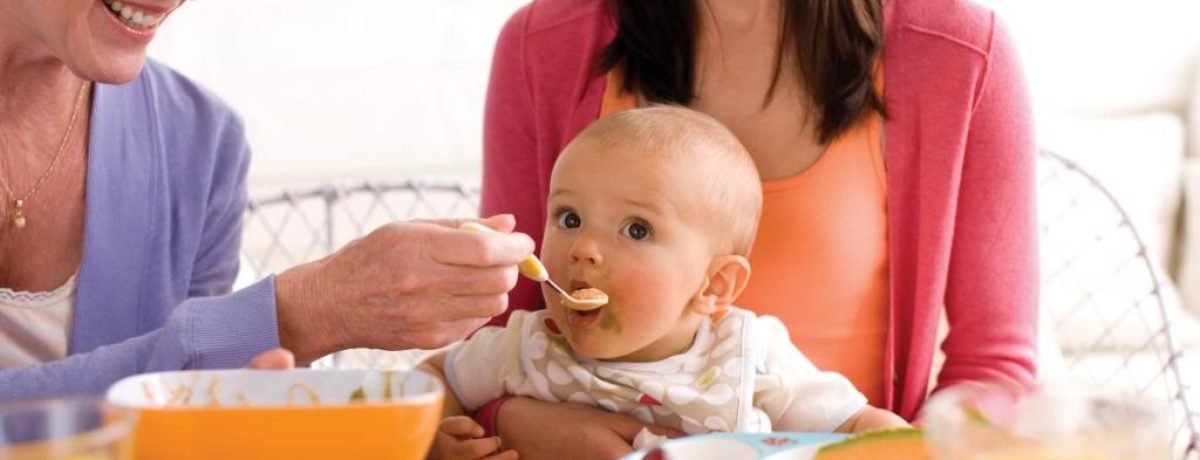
(608, 321)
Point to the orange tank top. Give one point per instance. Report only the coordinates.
(820, 262)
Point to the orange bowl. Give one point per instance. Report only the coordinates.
(254, 414)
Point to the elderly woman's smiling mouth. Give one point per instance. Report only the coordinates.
(140, 20)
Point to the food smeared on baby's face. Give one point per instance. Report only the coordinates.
(608, 322)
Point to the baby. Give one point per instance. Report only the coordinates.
(657, 208)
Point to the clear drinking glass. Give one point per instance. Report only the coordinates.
(74, 428)
(1000, 422)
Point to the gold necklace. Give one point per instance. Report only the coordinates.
(18, 202)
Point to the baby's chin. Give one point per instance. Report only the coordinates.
(597, 351)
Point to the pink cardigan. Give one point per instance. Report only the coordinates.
(960, 169)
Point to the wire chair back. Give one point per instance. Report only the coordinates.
(297, 226)
(1105, 299)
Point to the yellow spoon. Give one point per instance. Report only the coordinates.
(533, 269)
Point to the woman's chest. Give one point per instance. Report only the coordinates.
(821, 258)
(779, 133)
(45, 252)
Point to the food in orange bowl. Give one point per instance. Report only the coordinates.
(252, 414)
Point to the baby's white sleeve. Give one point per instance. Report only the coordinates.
(792, 391)
(482, 367)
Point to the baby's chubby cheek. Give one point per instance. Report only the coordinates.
(632, 291)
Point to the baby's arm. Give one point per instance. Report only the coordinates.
(797, 396)
(458, 437)
(871, 418)
(472, 373)
(436, 365)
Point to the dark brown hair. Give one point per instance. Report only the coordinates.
(835, 44)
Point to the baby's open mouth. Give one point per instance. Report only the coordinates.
(582, 318)
(585, 313)
(133, 16)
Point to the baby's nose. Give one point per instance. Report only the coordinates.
(585, 250)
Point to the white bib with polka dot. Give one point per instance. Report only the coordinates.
(742, 373)
(707, 388)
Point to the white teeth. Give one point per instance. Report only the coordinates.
(132, 16)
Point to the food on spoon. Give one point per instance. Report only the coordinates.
(589, 295)
(586, 299)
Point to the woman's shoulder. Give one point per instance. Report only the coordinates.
(175, 96)
(547, 50)
(197, 129)
(559, 27)
(543, 16)
(193, 143)
(962, 23)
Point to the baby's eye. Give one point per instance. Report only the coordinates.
(636, 230)
(568, 219)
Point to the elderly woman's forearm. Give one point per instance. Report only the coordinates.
(201, 333)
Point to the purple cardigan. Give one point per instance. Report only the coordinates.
(165, 194)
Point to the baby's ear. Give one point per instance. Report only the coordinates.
(727, 277)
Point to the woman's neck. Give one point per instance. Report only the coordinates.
(37, 96)
(738, 17)
(33, 82)
(735, 44)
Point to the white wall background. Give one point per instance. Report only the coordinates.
(353, 88)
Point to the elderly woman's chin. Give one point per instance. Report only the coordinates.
(113, 69)
(112, 45)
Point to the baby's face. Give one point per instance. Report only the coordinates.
(625, 223)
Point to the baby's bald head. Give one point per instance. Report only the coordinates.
(722, 183)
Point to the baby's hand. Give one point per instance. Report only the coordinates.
(461, 438)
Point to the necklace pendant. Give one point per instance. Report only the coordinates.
(18, 216)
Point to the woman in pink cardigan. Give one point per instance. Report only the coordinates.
(896, 148)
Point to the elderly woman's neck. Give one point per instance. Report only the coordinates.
(37, 96)
(32, 79)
